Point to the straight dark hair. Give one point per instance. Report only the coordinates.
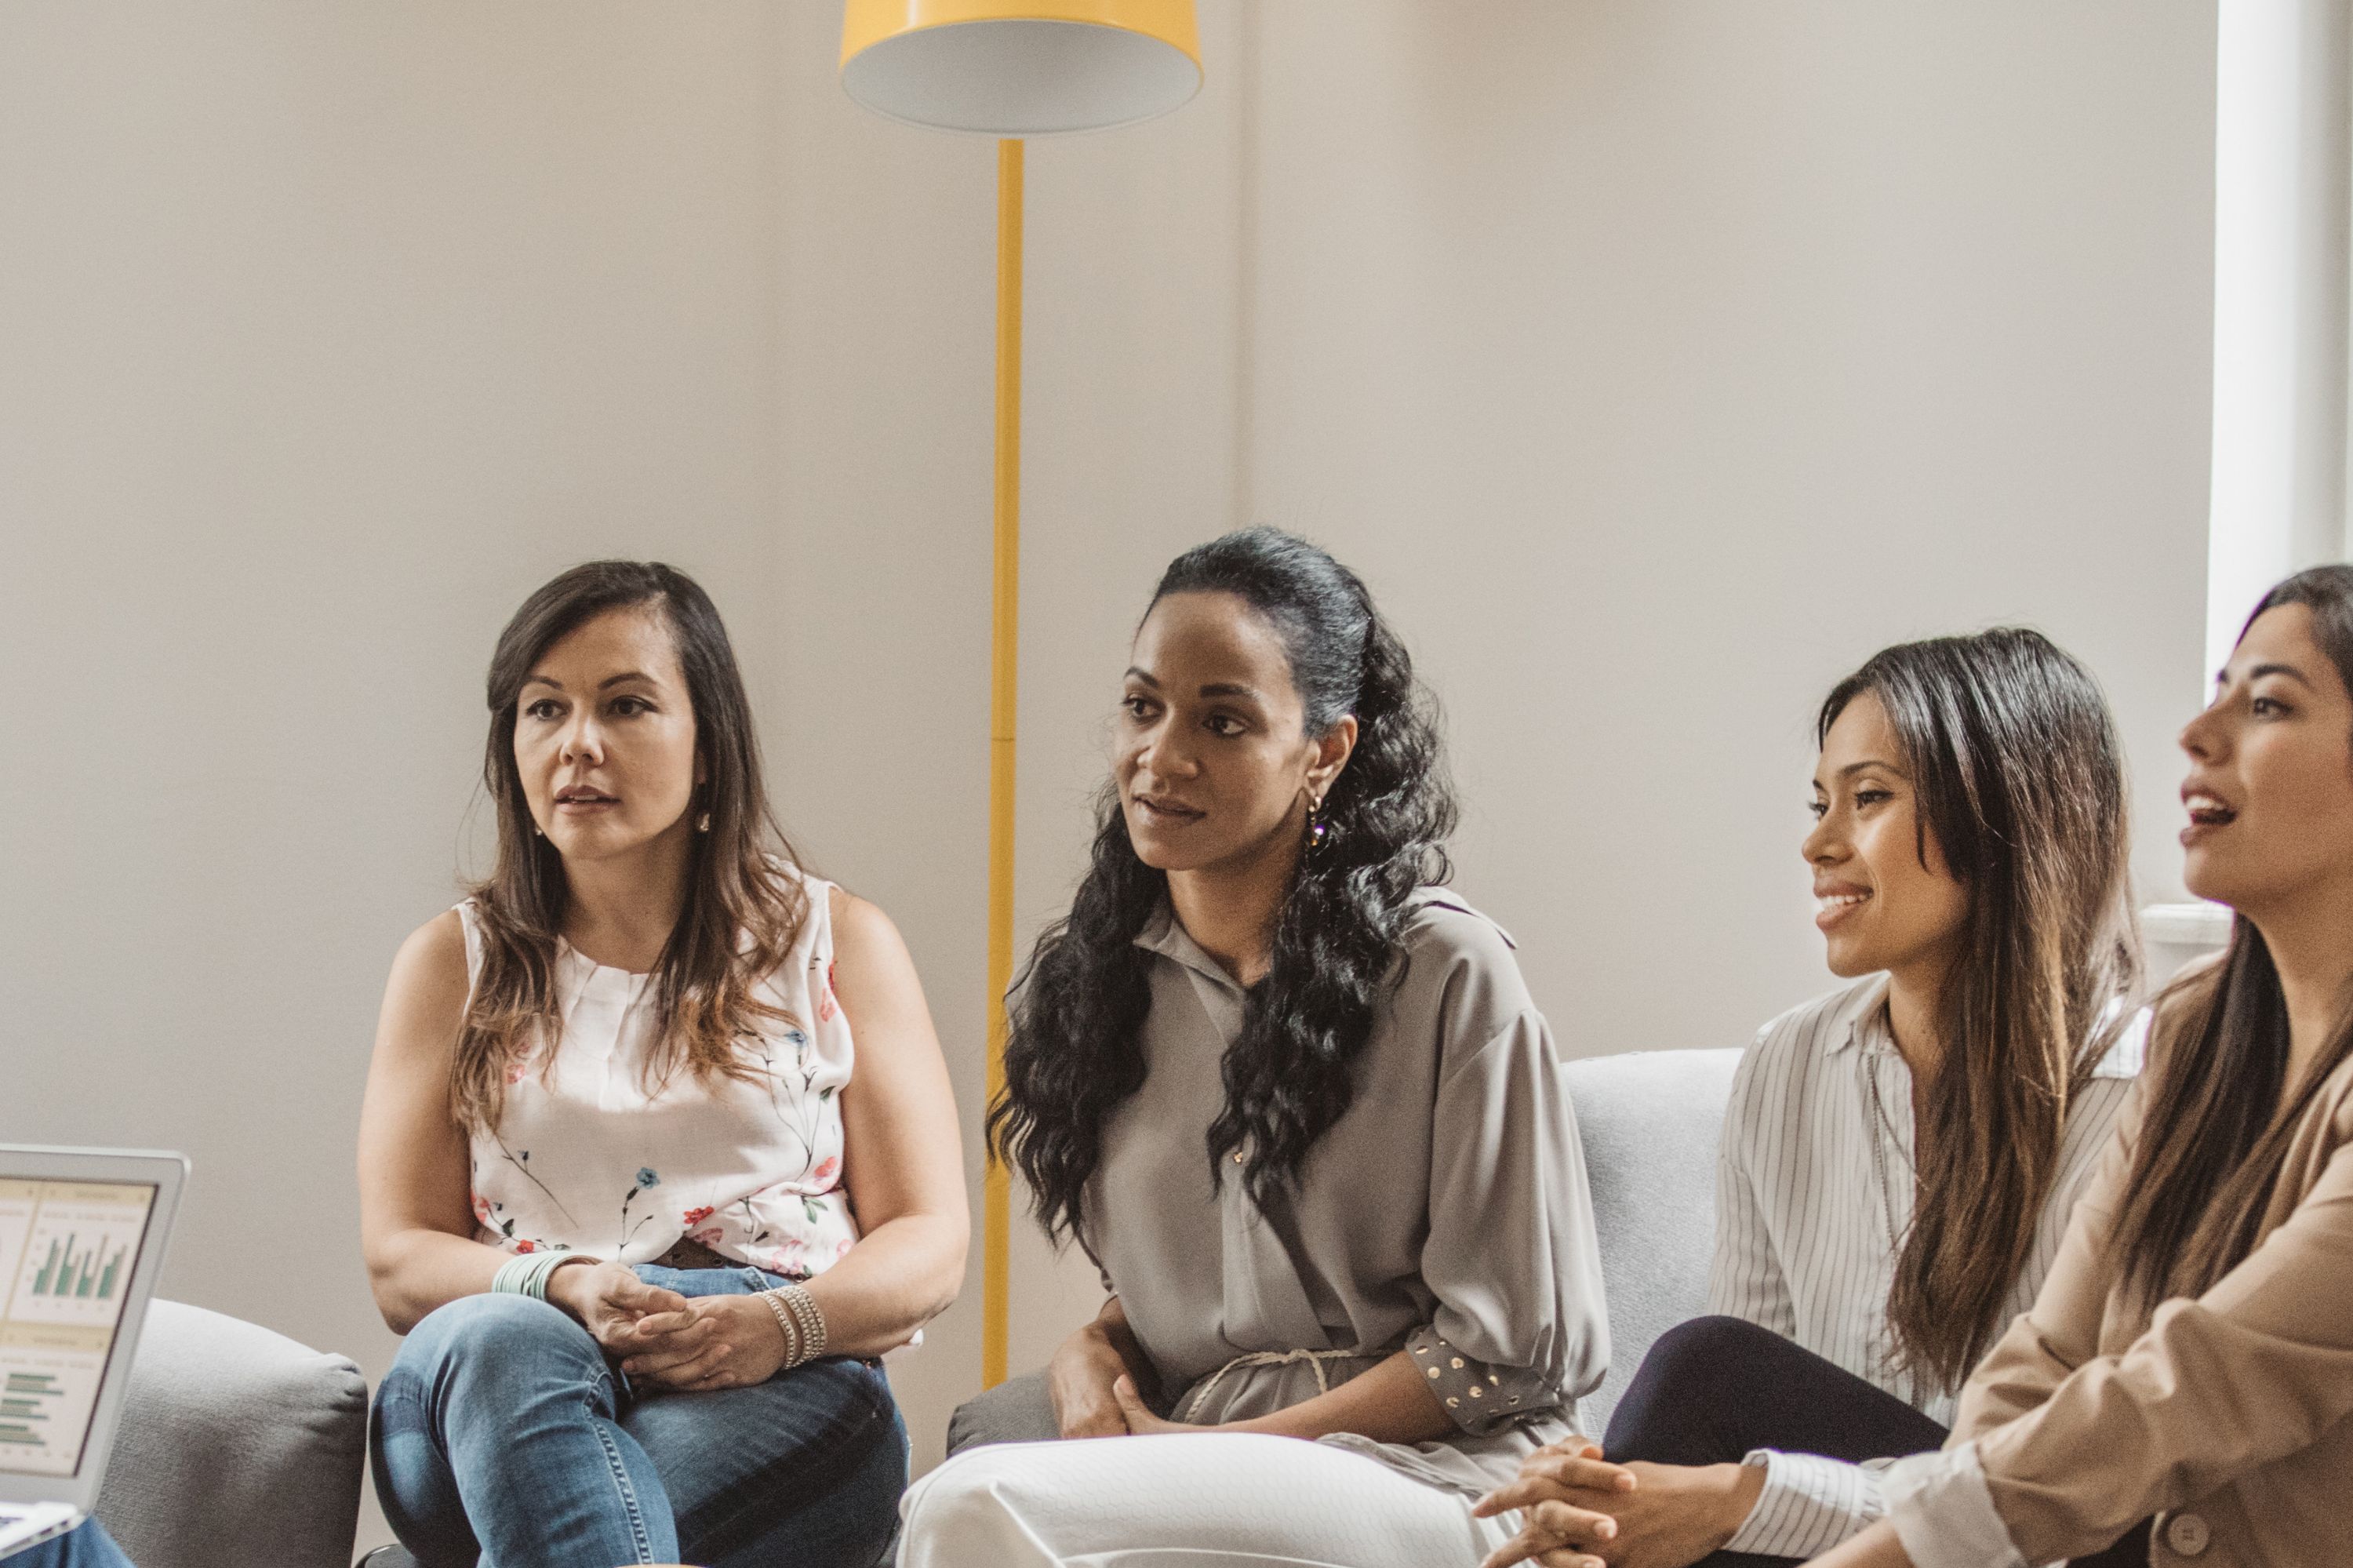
(743, 905)
(1075, 1049)
(2021, 784)
(2221, 1112)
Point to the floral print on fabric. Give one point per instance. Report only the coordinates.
(588, 1157)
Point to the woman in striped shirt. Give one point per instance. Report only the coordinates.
(1899, 1156)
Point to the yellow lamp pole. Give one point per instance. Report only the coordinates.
(1012, 69)
(1004, 691)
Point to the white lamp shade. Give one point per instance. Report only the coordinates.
(1023, 75)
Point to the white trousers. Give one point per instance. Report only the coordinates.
(1224, 1499)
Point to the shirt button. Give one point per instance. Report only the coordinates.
(2187, 1533)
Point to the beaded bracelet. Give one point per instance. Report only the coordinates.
(797, 1314)
(812, 1320)
(786, 1327)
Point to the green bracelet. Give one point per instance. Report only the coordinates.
(527, 1275)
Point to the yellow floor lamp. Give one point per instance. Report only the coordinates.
(1013, 69)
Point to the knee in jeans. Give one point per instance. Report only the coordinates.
(483, 1330)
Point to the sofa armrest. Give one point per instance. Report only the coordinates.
(1650, 1121)
(1017, 1411)
(238, 1449)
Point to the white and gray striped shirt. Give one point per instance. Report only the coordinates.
(1814, 1191)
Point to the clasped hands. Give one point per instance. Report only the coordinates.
(667, 1340)
(1580, 1511)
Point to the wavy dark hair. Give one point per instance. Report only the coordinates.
(1074, 1050)
(2021, 784)
(2221, 1113)
(744, 907)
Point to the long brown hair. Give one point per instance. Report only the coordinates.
(2020, 783)
(2215, 1132)
(743, 905)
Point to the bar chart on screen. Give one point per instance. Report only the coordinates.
(66, 1254)
(76, 1256)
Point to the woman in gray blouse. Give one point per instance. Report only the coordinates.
(1296, 1102)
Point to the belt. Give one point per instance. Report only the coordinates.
(688, 1253)
(1315, 1359)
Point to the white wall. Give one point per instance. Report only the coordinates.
(1657, 363)
(1660, 362)
(1656, 360)
(325, 334)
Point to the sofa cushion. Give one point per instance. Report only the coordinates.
(1650, 1121)
(238, 1449)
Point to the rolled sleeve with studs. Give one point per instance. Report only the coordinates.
(1479, 1396)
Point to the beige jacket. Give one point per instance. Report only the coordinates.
(2228, 1417)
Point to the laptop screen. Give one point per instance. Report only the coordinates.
(66, 1250)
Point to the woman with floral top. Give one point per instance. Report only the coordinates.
(645, 1228)
(1295, 1099)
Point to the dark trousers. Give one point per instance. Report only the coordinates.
(1714, 1390)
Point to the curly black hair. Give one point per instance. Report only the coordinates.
(1074, 1051)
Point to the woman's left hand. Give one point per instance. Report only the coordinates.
(1141, 1422)
(718, 1341)
(1672, 1516)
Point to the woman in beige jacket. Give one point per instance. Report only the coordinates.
(2185, 1379)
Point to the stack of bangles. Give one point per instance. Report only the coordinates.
(527, 1275)
(802, 1324)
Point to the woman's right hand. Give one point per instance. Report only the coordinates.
(609, 1301)
(1078, 1380)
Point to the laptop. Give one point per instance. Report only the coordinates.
(81, 1241)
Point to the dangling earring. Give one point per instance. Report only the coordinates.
(702, 823)
(1316, 826)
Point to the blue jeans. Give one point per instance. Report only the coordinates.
(502, 1434)
(87, 1546)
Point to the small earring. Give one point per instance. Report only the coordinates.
(537, 831)
(702, 823)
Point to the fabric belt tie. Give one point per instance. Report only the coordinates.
(1315, 1359)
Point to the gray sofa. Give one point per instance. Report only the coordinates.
(238, 1449)
(1650, 1120)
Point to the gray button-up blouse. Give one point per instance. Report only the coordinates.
(1446, 1214)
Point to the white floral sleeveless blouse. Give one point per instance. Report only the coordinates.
(587, 1158)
